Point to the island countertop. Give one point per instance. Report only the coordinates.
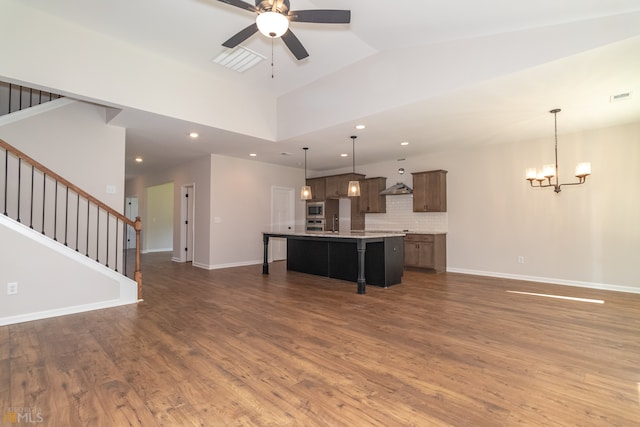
(337, 234)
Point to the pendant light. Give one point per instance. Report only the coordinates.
(305, 192)
(549, 173)
(354, 186)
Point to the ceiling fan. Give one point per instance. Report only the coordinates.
(273, 21)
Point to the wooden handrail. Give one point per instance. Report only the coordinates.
(137, 224)
(58, 178)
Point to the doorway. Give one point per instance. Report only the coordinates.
(282, 219)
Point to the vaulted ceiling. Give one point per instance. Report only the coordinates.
(439, 75)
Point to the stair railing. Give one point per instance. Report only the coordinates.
(16, 97)
(36, 196)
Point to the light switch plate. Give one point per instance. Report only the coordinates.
(12, 288)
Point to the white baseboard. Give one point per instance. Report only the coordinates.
(149, 251)
(549, 280)
(10, 320)
(229, 265)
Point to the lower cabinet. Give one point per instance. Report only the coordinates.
(428, 251)
(338, 258)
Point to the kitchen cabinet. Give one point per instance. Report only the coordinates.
(426, 251)
(337, 186)
(430, 191)
(357, 217)
(317, 188)
(370, 199)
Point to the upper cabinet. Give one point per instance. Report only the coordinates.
(430, 191)
(317, 188)
(370, 199)
(337, 186)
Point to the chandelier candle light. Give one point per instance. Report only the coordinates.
(583, 170)
(305, 192)
(354, 186)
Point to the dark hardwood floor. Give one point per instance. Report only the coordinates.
(233, 347)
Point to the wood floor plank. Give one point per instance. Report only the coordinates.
(233, 347)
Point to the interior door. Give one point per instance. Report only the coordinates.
(282, 219)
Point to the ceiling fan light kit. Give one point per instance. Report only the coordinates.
(273, 21)
(272, 24)
(550, 171)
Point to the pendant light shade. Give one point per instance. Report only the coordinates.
(305, 192)
(354, 186)
(272, 24)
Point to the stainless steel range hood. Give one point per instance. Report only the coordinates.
(399, 188)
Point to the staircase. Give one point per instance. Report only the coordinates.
(45, 205)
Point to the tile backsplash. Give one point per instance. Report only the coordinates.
(400, 216)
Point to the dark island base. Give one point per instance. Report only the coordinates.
(384, 260)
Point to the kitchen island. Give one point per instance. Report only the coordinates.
(363, 257)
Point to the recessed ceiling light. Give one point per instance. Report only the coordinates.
(253, 154)
(360, 127)
(193, 135)
(344, 155)
(139, 159)
(404, 143)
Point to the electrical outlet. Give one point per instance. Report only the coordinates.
(12, 288)
(520, 259)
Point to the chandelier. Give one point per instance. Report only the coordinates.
(548, 176)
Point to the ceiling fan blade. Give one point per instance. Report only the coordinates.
(241, 36)
(322, 16)
(294, 45)
(241, 4)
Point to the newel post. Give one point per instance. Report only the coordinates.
(137, 275)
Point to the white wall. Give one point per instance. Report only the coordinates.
(159, 221)
(72, 139)
(241, 207)
(64, 281)
(586, 235)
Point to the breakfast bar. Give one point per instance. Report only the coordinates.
(363, 257)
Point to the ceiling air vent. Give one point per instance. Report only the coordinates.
(620, 97)
(239, 59)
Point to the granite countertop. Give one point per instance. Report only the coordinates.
(354, 234)
(404, 232)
